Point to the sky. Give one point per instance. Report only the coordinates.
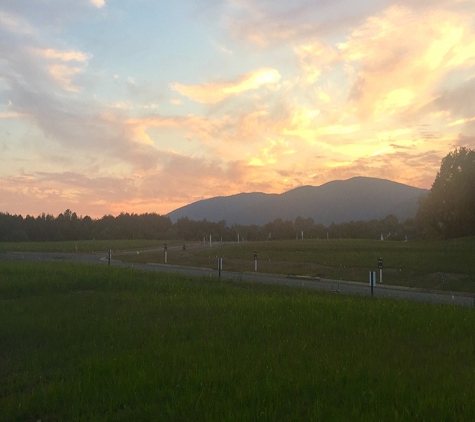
(110, 106)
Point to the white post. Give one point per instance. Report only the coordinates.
(302, 234)
(372, 280)
(238, 237)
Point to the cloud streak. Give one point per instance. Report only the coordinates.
(214, 92)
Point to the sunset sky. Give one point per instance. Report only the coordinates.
(110, 106)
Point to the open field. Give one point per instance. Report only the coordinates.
(444, 265)
(91, 343)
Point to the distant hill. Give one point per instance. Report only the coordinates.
(359, 198)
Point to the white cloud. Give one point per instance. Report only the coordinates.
(65, 56)
(14, 23)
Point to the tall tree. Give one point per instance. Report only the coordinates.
(449, 209)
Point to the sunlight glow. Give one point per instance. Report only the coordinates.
(111, 106)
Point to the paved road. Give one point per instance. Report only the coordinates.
(339, 287)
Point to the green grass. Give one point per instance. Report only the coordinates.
(91, 343)
(444, 265)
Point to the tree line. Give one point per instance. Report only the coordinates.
(69, 226)
(448, 211)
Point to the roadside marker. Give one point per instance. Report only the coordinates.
(220, 266)
(372, 280)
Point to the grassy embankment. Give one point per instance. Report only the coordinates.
(91, 343)
(443, 265)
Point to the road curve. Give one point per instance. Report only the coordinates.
(336, 286)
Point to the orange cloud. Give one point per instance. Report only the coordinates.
(314, 58)
(214, 92)
(394, 72)
(274, 151)
(462, 121)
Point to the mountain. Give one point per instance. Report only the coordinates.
(359, 198)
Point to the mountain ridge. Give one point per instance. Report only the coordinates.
(337, 201)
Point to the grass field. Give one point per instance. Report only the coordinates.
(444, 265)
(92, 343)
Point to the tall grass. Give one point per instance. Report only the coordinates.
(86, 343)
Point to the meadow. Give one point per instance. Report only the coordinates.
(97, 343)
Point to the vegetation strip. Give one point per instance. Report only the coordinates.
(438, 265)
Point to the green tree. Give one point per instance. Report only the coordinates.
(449, 209)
